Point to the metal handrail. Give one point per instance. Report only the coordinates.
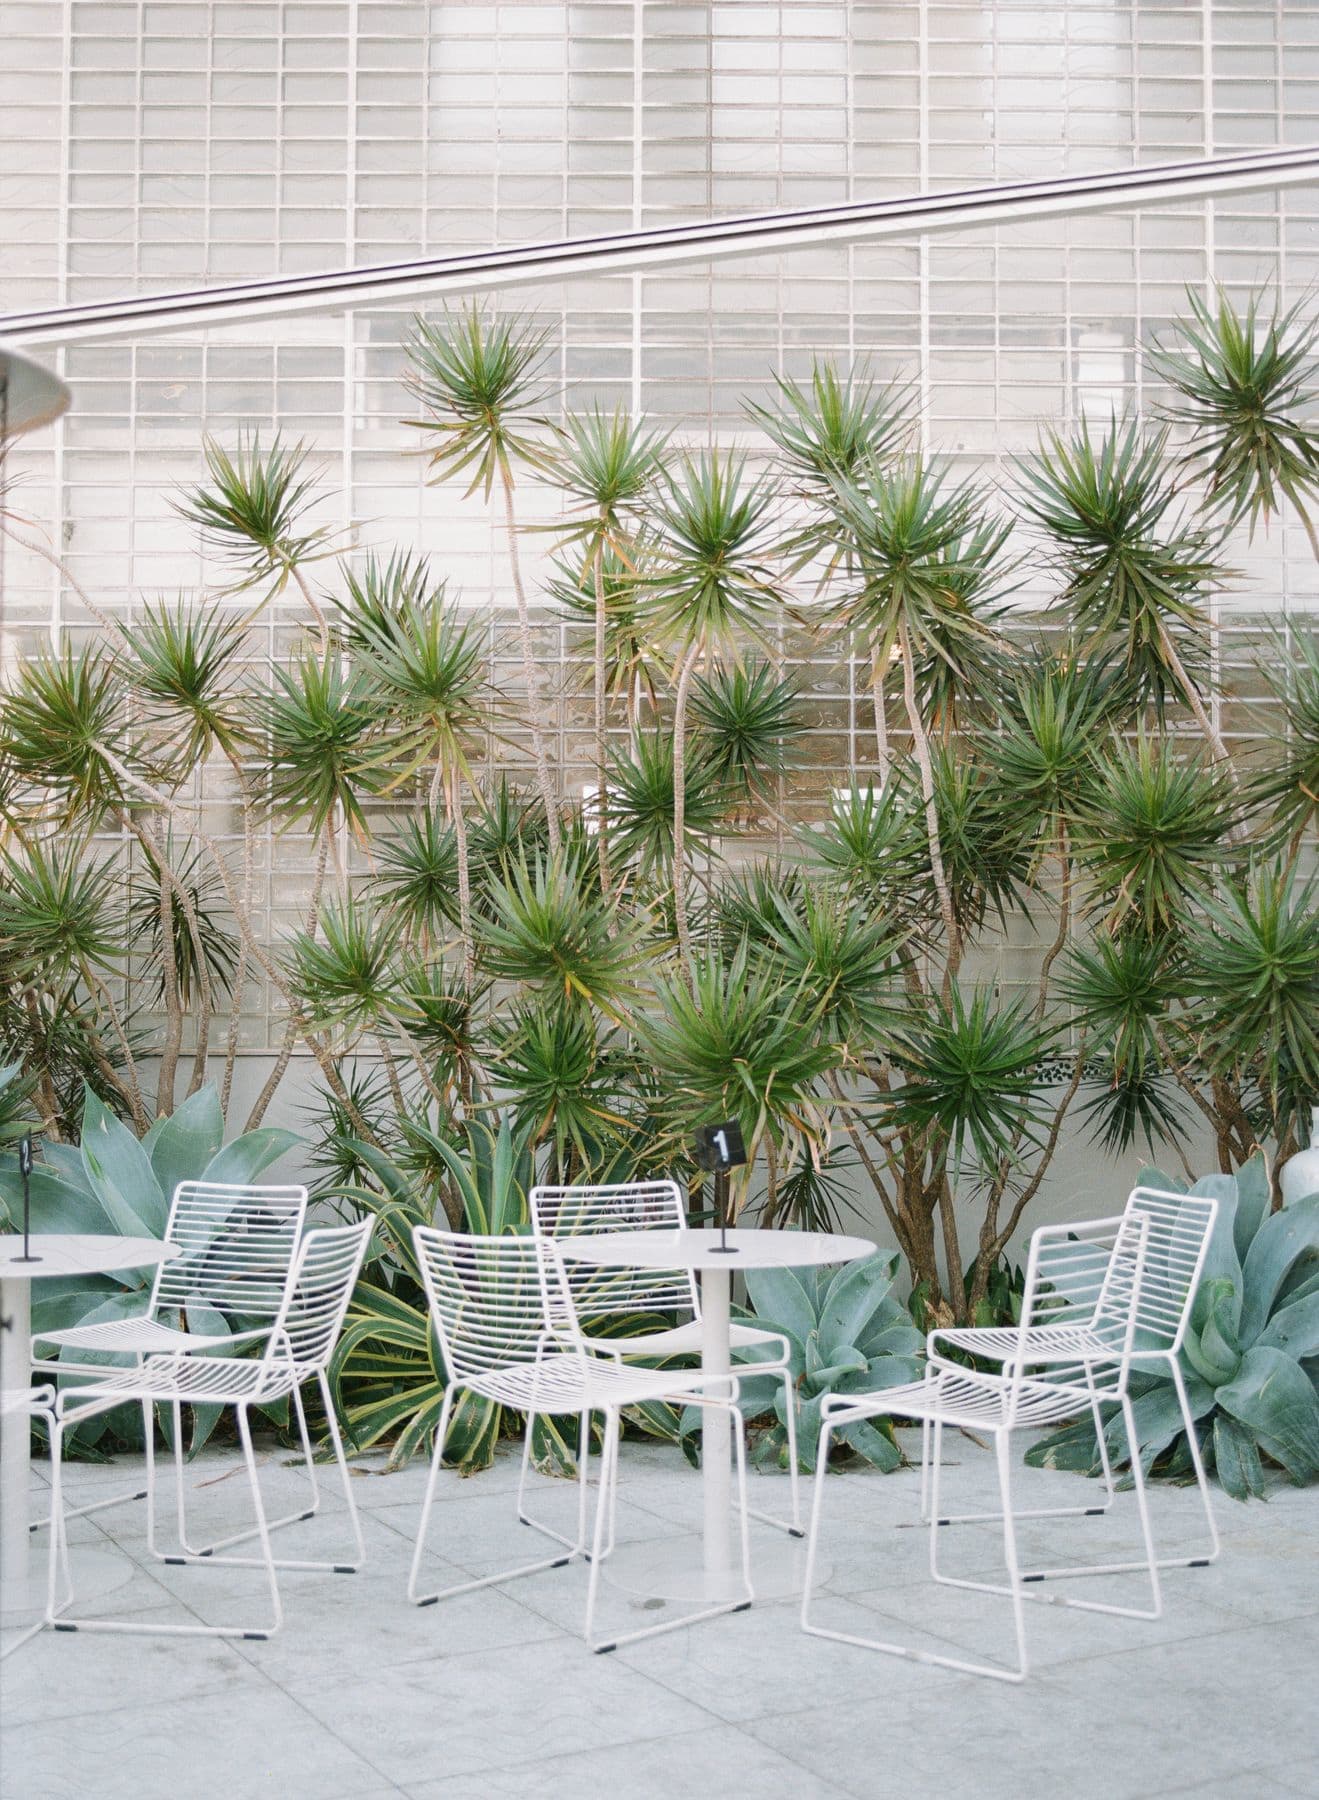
(659, 246)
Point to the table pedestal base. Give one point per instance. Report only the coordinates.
(674, 1570)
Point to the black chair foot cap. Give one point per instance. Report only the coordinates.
(796, 1531)
(604, 1649)
(1095, 1512)
(1032, 1578)
(177, 1562)
(345, 1568)
(255, 1637)
(744, 1607)
(307, 1515)
(432, 1601)
(208, 1551)
(1200, 1562)
(60, 1627)
(561, 1563)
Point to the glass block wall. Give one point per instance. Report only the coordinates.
(156, 144)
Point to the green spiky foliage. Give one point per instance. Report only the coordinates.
(971, 1082)
(1124, 989)
(1243, 386)
(65, 734)
(345, 971)
(480, 381)
(317, 727)
(708, 590)
(180, 664)
(563, 1086)
(748, 717)
(828, 427)
(418, 875)
(253, 511)
(1287, 787)
(643, 809)
(549, 931)
(1154, 833)
(739, 1042)
(1135, 567)
(214, 948)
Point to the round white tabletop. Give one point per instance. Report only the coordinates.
(673, 1569)
(53, 1254)
(747, 1249)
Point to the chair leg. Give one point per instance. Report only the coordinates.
(60, 1621)
(792, 1525)
(309, 1511)
(294, 1562)
(991, 1671)
(583, 1471)
(464, 1587)
(604, 1511)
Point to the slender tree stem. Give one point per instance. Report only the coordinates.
(881, 722)
(530, 673)
(680, 805)
(601, 735)
(921, 748)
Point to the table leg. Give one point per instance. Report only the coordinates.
(716, 1441)
(17, 1593)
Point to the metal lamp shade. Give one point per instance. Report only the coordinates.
(29, 395)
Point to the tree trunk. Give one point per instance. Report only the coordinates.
(601, 733)
(921, 748)
(881, 722)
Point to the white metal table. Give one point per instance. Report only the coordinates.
(54, 1255)
(718, 1575)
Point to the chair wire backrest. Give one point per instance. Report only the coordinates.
(1180, 1228)
(317, 1292)
(599, 1293)
(236, 1245)
(1083, 1288)
(486, 1299)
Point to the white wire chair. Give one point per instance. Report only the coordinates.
(236, 1242)
(602, 1295)
(31, 1403)
(487, 1301)
(1083, 1289)
(307, 1323)
(1180, 1228)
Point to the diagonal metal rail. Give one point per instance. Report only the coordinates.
(969, 209)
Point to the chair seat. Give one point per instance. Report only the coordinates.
(142, 1337)
(958, 1397)
(214, 1379)
(1044, 1343)
(575, 1384)
(681, 1340)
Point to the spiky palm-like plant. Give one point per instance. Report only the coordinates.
(427, 668)
(481, 383)
(739, 1042)
(317, 726)
(418, 878)
(829, 427)
(1288, 785)
(1244, 387)
(562, 1085)
(1154, 832)
(548, 931)
(645, 809)
(253, 515)
(1135, 567)
(916, 547)
(747, 716)
(606, 465)
(714, 528)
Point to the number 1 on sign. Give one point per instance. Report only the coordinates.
(721, 1138)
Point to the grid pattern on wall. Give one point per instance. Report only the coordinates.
(153, 144)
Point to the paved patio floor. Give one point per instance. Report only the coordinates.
(493, 1694)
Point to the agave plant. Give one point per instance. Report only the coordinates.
(114, 1183)
(846, 1335)
(387, 1372)
(1248, 1359)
